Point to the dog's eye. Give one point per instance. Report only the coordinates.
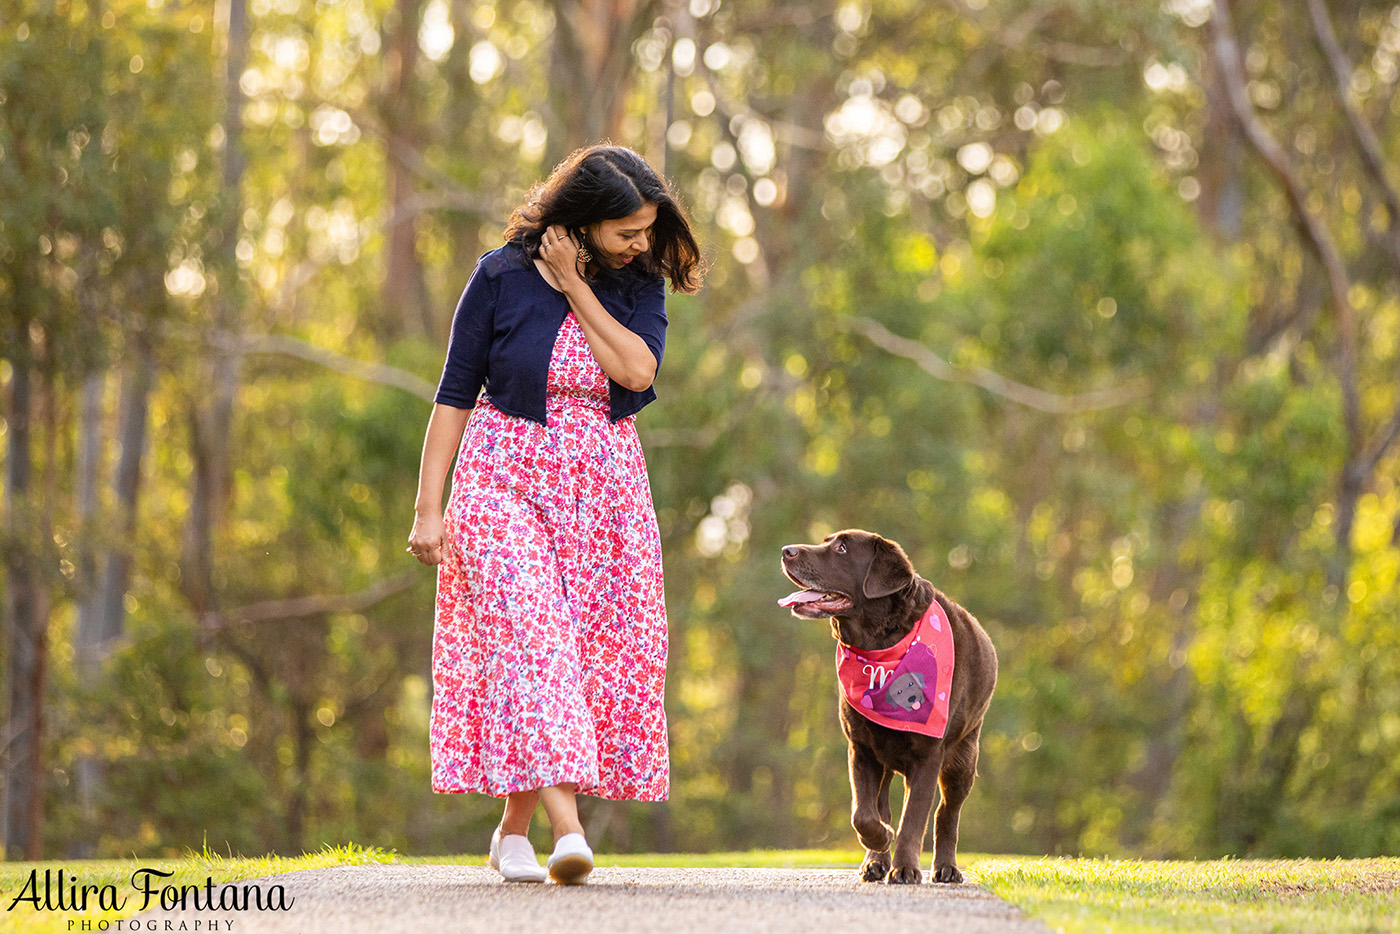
(840, 547)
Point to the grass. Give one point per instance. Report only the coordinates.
(191, 869)
(748, 859)
(1073, 896)
(1088, 896)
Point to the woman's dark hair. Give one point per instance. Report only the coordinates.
(600, 183)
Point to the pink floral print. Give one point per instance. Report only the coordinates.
(549, 643)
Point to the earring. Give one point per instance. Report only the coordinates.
(584, 256)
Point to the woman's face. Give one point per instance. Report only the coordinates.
(617, 242)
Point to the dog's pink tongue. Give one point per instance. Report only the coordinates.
(801, 596)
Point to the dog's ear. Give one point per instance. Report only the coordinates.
(890, 570)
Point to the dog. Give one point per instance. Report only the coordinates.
(920, 714)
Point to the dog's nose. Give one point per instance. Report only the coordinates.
(789, 551)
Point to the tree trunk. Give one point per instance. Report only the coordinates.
(592, 50)
(1221, 204)
(404, 304)
(90, 559)
(105, 573)
(131, 437)
(211, 418)
(21, 746)
(90, 562)
(302, 737)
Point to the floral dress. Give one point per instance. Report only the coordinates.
(549, 644)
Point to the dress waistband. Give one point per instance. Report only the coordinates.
(557, 402)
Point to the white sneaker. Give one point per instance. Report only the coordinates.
(571, 861)
(515, 859)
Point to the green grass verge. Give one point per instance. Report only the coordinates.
(1073, 896)
(747, 859)
(1080, 896)
(191, 869)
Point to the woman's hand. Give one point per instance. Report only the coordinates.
(559, 250)
(426, 540)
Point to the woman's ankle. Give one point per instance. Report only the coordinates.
(519, 811)
(560, 804)
(567, 828)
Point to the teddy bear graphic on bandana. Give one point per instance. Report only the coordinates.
(904, 694)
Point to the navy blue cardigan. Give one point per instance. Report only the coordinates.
(507, 319)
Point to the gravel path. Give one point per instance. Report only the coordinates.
(440, 898)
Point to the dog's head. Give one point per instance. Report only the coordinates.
(844, 574)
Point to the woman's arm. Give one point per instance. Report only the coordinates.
(463, 373)
(445, 428)
(623, 355)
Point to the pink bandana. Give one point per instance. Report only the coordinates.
(904, 687)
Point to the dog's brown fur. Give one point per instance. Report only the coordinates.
(887, 599)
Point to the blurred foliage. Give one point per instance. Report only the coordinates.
(1043, 190)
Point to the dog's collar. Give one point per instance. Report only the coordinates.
(906, 685)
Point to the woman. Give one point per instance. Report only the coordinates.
(549, 645)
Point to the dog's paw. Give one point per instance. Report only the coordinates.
(905, 875)
(947, 874)
(875, 867)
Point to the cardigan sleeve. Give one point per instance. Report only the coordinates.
(464, 371)
(649, 317)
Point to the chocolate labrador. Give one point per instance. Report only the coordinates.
(921, 671)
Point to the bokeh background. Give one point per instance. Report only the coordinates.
(1091, 304)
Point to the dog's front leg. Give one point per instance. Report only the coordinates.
(921, 784)
(959, 771)
(868, 780)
